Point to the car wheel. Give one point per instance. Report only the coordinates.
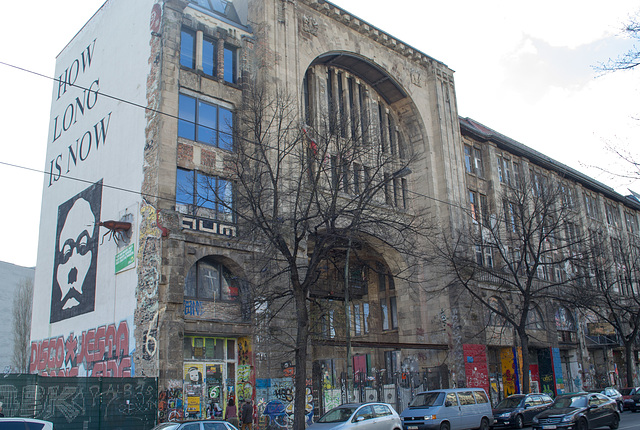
(582, 425)
(519, 422)
(616, 422)
(444, 426)
(484, 424)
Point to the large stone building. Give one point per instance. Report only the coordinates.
(139, 275)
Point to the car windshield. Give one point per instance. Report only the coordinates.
(626, 391)
(338, 415)
(509, 403)
(426, 399)
(570, 402)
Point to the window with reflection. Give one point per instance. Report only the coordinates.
(205, 122)
(209, 279)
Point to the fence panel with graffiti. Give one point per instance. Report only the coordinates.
(82, 403)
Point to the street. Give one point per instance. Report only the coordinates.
(628, 421)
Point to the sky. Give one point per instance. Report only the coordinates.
(524, 69)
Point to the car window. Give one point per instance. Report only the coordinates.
(366, 412)
(214, 426)
(534, 400)
(481, 397)
(427, 399)
(381, 410)
(451, 397)
(510, 402)
(337, 415)
(12, 425)
(466, 398)
(35, 426)
(192, 426)
(546, 399)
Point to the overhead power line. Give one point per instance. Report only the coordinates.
(146, 108)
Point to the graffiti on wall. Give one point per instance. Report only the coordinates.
(70, 405)
(170, 405)
(276, 402)
(76, 255)
(476, 367)
(101, 351)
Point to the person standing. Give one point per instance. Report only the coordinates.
(231, 413)
(246, 415)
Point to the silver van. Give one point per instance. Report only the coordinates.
(453, 409)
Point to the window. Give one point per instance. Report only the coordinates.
(188, 49)
(205, 122)
(481, 397)
(328, 324)
(230, 68)
(384, 309)
(473, 161)
(381, 410)
(510, 216)
(365, 412)
(210, 280)
(534, 319)
(613, 215)
(591, 206)
(209, 56)
(517, 174)
(632, 222)
(567, 196)
(204, 196)
(208, 348)
(452, 399)
(479, 207)
(466, 398)
(504, 169)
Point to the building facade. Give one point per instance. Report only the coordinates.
(138, 274)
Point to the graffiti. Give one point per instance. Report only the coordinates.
(149, 341)
(476, 367)
(193, 308)
(170, 405)
(276, 406)
(208, 226)
(103, 351)
(68, 404)
(76, 255)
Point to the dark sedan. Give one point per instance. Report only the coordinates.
(614, 394)
(579, 411)
(631, 398)
(518, 410)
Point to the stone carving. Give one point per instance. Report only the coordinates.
(310, 25)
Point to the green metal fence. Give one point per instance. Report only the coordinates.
(82, 403)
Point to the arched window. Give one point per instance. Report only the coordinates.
(565, 324)
(209, 279)
(494, 319)
(534, 319)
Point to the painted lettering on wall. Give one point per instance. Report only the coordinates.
(78, 102)
(102, 351)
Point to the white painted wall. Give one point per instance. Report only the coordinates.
(117, 37)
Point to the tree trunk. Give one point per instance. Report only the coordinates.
(628, 356)
(524, 343)
(300, 381)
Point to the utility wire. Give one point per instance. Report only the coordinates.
(146, 108)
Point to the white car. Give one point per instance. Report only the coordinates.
(24, 424)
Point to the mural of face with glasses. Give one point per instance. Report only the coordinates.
(76, 255)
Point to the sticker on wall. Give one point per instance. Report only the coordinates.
(76, 255)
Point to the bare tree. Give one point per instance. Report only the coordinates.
(22, 306)
(631, 58)
(523, 254)
(610, 288)
(306, 195)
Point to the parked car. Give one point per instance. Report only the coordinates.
(361, 416)
(24, 424)
(518, 410)
(452, 409)
(579, 411)
(196, 425)
(628, 399)
(612, 393)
